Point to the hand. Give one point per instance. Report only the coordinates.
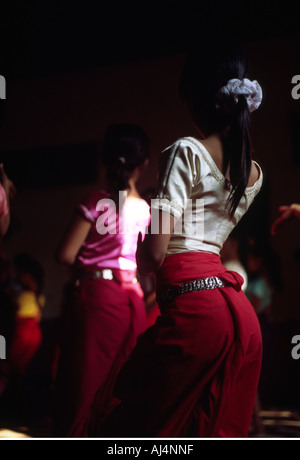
(8, 185)
(287, 213)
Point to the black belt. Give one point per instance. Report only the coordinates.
(105, 274)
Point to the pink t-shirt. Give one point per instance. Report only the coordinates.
(112, 240)
(3, 202)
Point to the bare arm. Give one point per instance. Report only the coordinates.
(4, 224)
(287, 213)
(72, 241)
(151, 252)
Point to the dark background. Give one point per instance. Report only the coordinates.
(41, 38)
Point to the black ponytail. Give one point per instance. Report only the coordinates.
(125, 148)
(118, 175)
(238, 153)
(205, 72)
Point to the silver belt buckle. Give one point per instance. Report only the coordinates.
(107, 274)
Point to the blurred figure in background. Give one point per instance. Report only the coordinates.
(231, 259)
(107, 311)
(22, 307)
(28, 291)
(264, 281)
(7, 321)
(263, 277)
(7, 310)
(7, 305)
(259, 290)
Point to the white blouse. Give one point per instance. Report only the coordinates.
(191, 188)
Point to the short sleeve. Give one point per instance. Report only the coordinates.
(3, 202)
(179, 171)
(87, 207)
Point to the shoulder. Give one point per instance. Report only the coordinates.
(94, 195)
(256, 175)
(187, 156)
(91, 199)
(145, 210)
(141, 206)
(183, 144)
(88, 204)
(186, 149)
(190, 149)
(144, 205)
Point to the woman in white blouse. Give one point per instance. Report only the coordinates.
(195, 372)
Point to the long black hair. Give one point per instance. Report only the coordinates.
(125, 147)
(204, 74)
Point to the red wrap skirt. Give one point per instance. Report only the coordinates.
(101, 326)
(195, 372)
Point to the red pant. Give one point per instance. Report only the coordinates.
(195, 372)
(103, 324)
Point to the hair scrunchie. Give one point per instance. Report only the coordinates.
(235, 87)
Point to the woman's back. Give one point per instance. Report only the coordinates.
(193, 189)
(112, 240)
(215, 149)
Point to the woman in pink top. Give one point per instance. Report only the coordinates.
(107, 310)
